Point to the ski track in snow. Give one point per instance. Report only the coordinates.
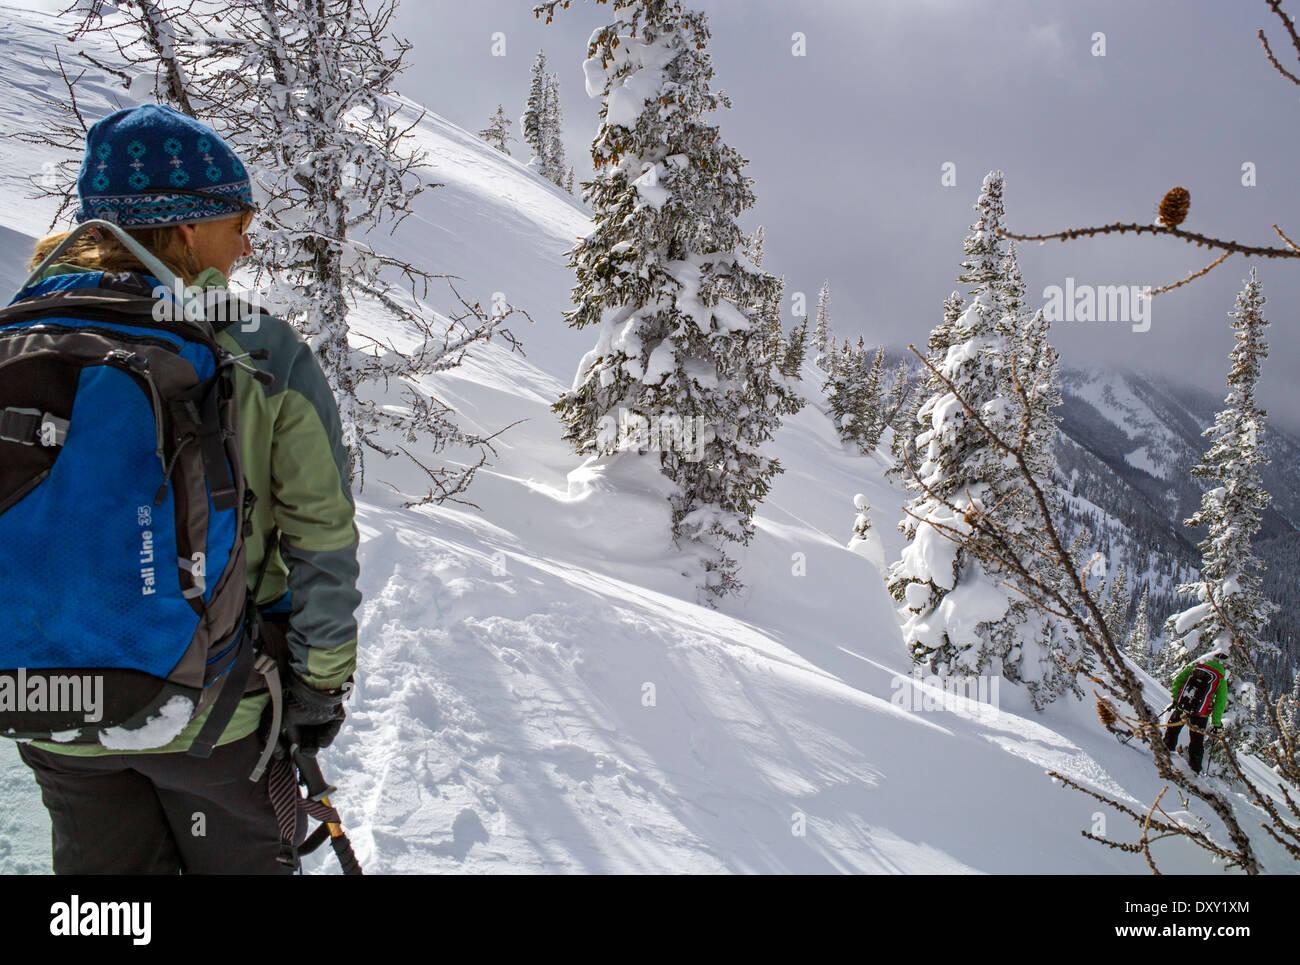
(537, 693)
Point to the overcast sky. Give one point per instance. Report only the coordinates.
(847, 146)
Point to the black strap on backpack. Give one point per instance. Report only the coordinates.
(202, 404)
(247, 660)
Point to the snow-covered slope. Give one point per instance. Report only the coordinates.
(535, 691)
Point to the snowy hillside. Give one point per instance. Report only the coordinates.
(535, 691)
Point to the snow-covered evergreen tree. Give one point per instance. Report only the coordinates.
(854, 388)
(1138, 644)
(664, 276)
(568, 181)
(1115, 608)
(823, 341)
(844, 404)
(533, 119)
(873, 401)
(497, 133)
(795, 351)
(1230, 602)
(958, 617)
(553, 163)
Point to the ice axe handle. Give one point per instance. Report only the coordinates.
(343, 849)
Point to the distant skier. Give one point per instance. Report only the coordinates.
(1200, 689)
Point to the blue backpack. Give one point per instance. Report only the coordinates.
(123, 512)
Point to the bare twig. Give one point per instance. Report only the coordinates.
(1193, 276)
(1285, 238)
(1276, 6)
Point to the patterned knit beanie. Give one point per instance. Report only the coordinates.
(151, 165)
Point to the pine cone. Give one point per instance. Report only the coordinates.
(1106, 713)
(1173, 207)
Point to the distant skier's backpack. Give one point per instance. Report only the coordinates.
(1197, 696)
(123, 512)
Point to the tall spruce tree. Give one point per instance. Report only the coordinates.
(985, 627)
(1230, 601)
(1115, 609)
(553, 163)
(823, 341)
(1138, 644)
(533, 119)
(664, 277)
(873, 401)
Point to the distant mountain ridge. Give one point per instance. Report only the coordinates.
(1129, 442)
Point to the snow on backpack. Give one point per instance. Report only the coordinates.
(123, 512)
(1197, 695)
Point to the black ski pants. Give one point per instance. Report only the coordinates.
(159, 813)
(1195, 744)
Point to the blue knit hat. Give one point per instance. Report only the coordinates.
(151, 165)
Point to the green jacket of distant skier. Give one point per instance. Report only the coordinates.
(289, 430)
(1220, 692)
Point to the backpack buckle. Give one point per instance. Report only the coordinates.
(16, 425)
(29, 426)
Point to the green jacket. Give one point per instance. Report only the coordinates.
(295, 462)
(1220, 693)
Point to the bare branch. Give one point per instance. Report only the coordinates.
(1191, 237)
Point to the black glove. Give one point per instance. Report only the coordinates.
(312, 717)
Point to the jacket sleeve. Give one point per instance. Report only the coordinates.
(1220, 702)
(313, 508)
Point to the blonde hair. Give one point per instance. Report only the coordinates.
(108, 254)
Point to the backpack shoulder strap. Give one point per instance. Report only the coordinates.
(147, 258)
